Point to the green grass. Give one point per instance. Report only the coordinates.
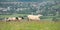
(13, 15)
(33, 25)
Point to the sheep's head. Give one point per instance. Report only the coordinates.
(40, 15)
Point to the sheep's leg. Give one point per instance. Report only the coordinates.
(28, 19)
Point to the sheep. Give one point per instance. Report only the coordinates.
(34, 17)
(20, 18)
(13, 19)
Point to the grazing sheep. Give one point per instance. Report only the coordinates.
(34, 17)
(13, 19)
(19, 18)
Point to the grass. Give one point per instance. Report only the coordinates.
(33, 25)
(25, 25)
(13, 15)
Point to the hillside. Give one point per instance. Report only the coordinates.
(45, 7)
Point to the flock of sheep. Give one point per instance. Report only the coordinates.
(30, 18)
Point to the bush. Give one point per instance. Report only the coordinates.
(54, 19)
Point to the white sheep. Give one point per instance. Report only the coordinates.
(13, 19)
(19, 18)
(34, 17)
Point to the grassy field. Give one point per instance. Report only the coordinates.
(33, 25)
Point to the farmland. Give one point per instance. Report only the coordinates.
(20, 9)
(46, 24)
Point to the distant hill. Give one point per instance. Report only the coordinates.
(45, 7)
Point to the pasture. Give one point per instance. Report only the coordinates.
(32, 25)
(46, 24)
